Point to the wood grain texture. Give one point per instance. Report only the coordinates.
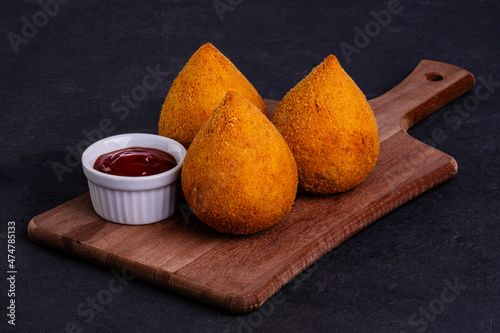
(239, 273)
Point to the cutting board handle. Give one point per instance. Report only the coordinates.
(428, 88)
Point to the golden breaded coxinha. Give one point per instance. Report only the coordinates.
(330, 128)
(198, 90)
(239, 176)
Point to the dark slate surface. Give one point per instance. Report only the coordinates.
(430, 266)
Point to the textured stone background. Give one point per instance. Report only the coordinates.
(431, 265)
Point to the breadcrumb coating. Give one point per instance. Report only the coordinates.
(239, 175)
(330, 128)
(198, 90)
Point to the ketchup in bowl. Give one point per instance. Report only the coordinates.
(135, 162)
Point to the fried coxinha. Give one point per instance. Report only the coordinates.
(198, 90)
(330, 128)
(239, 175)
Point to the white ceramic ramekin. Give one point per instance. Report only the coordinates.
(134, 200)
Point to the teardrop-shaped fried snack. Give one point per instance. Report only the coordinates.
(330, 128)
(198, 90)
(239, 176)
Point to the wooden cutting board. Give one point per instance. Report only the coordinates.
(239, 273)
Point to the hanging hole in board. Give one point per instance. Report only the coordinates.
(434, 76)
